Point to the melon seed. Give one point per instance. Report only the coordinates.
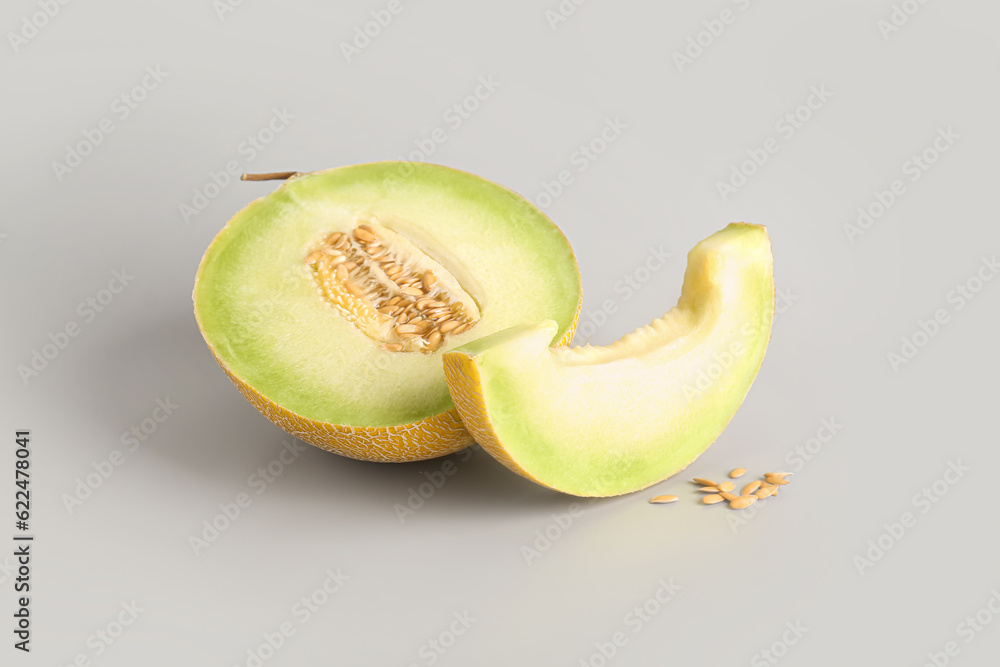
(407, 329)
(765, 490)
(742, 502)
(712, 499)
(365, 233)
(738, 473)
(727, 486)
(751, 487)
(664, 499)
(701, 481)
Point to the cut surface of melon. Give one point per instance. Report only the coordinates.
(316, 346)
(603, 421)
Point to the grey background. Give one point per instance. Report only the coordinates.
(846, 307)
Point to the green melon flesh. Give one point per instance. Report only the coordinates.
(603, 421)
(261, 312)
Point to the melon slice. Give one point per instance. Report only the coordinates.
(330, 301)
(603, 421)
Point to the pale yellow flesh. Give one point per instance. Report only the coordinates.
(602, 421)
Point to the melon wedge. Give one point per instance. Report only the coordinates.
(604, 421)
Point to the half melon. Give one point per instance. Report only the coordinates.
(330, 301)
(603, 421)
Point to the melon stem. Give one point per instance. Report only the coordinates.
(271, 176)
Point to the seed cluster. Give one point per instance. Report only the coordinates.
(751, 493)
(391, 299)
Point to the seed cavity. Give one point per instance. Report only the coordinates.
(390, 289)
